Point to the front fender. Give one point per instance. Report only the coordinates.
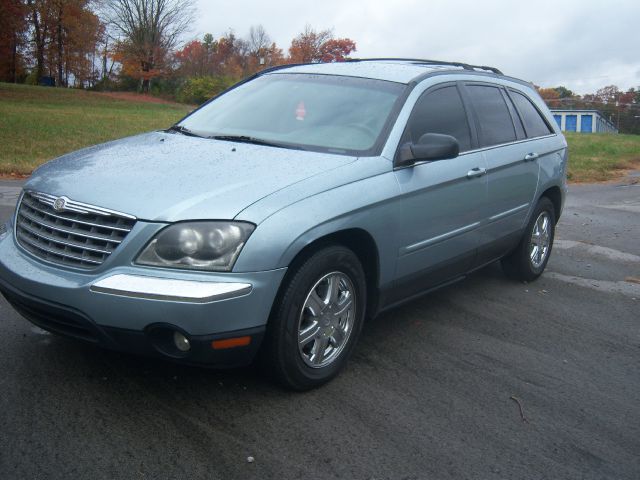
(370, 204)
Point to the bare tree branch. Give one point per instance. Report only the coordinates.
(259, 40)
(149, 29)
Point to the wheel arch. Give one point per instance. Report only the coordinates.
(363, 245)
(554, 194)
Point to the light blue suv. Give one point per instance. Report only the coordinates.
(278, 216)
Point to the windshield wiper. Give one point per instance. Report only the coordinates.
(184, 131)
(248, 139)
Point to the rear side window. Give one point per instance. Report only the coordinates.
(534, 124)
(514, 115)
(441, 111)
(495, 121)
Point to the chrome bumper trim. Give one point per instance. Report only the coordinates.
(168, 289)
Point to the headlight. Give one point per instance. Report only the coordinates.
(212, 246)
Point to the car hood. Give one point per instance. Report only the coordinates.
(170, 177)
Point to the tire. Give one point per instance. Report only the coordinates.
(529, 259)
(310, 314)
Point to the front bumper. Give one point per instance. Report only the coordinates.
(125, 307)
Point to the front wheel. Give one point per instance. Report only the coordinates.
(317, 320)
(529, 259)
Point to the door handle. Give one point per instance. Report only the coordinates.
(476, 172)
(530, 157)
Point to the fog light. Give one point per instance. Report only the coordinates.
(181, 342)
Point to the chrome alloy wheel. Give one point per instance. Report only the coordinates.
(326, 319)
(540, 240)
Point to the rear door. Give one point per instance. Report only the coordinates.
(512, 169)
(442, 201)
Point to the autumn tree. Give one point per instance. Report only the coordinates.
(336, 50)
(148, 30)
(608, 94)
(82, 32)
(564, 92)
(270, 56)
(306, 47)
(313, 46)
(194, 59)
(229, 56)
(258, 40)
(75, 32)
(628, 98)
(63, 35)
(39, 14)
(12, 35)
(550, 96)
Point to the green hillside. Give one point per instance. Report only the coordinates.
(37, 124)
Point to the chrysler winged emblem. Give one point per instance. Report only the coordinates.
(59, 204)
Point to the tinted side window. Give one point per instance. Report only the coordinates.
(441, 111)
(515, 117)
(493, 115)
(533, 122)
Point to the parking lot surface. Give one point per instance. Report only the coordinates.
(486, 379)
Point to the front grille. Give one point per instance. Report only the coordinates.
(77, 235)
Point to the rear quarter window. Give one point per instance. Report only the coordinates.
(534, 124)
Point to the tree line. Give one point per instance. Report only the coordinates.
(48, 38)
(138, 45)
(619, 107)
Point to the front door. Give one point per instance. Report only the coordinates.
(442, 201)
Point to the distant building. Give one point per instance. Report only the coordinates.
(583, 121)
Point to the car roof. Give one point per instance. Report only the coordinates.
(389, 69)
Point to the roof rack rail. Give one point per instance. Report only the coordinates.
(421, 61)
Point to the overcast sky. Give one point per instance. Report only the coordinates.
(581, 44)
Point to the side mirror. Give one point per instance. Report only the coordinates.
(430, 147)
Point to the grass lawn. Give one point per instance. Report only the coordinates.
(40, 123)
(600, 156)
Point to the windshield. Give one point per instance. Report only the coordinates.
(317, 112)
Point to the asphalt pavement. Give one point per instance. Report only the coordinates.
(486, 379)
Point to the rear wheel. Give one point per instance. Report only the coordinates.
(529, 259)
(316, 323)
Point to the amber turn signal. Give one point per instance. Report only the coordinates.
(231, 343)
